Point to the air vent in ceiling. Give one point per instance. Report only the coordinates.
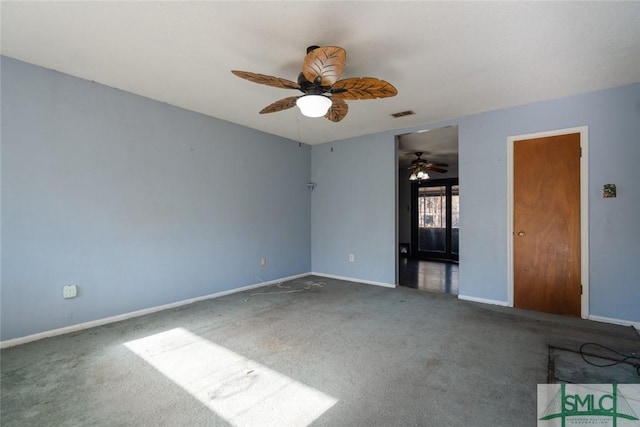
(403, 113)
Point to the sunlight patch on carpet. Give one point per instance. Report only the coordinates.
(238, 389)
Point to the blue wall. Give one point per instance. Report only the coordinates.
(613, 118)
(352, 206)
(138, 203)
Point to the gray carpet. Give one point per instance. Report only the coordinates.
(334, 354)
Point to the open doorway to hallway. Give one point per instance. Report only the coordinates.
(428, 210)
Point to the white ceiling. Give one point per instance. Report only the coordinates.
(438, 145)
(447, 59)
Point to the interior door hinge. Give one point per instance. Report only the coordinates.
(580, 289)
(580, 151)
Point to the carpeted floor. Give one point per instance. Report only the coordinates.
(316, 351)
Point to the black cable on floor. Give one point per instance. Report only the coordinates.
(629, 359)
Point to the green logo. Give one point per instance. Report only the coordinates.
(587, 405)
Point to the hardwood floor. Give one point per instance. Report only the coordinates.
(429, 275)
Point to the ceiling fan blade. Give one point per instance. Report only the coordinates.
(282, 104)
(266, 80)
(338, 110)
(436, 169)
(363, 88)
(323, 65)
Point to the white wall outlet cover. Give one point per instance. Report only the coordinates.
(352, 257)
(263, 261)
(69, 291)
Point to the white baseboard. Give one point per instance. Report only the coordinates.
(353, 279)
(483, 300)
(615, 321)
(138, 313)
(594, 318)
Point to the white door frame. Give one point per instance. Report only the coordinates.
(584, 209)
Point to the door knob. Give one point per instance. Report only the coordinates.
(520, 233)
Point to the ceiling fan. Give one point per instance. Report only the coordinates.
(419, 168)
(323, 94)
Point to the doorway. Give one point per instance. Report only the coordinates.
(548, 239)
(435, 219)
(437, 272)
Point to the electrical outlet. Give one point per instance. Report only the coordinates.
(352, 258)
(69, 291)
(263, 262)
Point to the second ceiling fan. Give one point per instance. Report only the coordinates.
(420, 168)
(323, 94)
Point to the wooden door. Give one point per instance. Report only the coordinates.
(547, 224)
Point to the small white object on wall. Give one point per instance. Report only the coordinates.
(69, 291)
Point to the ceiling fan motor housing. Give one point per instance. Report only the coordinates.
(312, 88)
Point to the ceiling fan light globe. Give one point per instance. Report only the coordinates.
(313, 105)
(413, 177)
